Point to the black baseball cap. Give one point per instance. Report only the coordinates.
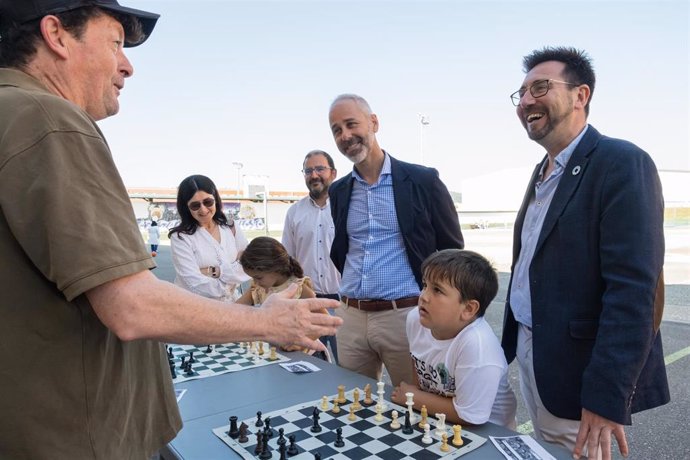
(22, 11)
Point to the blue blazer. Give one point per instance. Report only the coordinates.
(597, 285)
(426, 214)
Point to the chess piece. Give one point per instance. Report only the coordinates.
(259, 443)
(243, 433)
(188, 371)
(234, 432)
(339, 438)
(265, 450)
(259, 422)
(410, 405)
(407, 429)
(183, 362)
(380, 391)
(444, 443)
(208, 349)
(423, 423)
(324, 403)
(316, 428)
(367, 395)
(241, 344)
(379, 414)
(261, 348)
(282, 449)
(317, 456)
(352, 417)
(355, 400)
(426, 439)
(341, 394)
(173, 373)
(441, 424)
(272, 357)
(292, 448)
(394, 423)
(191, 358)
(457, 437)
(281, 437)
(267, 427)
(170, 353)
(336, 407)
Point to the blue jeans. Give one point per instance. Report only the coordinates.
(330, 339)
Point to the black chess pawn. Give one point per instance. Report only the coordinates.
(183, 363)
(316, 428)
(170, 353)
(259, 422)
(234, 432)
(188, 369)
(339, 438)
(173, 373)
(407, 429)
(209, 349)
(243, 433)
(292, 448)
(281, 438)
(191, 357)
(317, 456)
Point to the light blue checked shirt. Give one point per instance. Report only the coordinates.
(376, 266)
(520, 296)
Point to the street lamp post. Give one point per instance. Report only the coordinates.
(239, 167)
(423, 121)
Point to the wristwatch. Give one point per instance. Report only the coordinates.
(213, 271)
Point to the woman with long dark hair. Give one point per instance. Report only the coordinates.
(206, 245)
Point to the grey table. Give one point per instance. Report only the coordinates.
(209, 402)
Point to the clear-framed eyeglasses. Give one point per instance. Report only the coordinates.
(318, 170)
(537, 89)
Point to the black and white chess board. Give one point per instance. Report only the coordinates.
(363, 438)
(229, 357)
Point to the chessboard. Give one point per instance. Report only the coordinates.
(210, 360)
(362, 438)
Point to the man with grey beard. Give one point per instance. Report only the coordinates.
(389, 216)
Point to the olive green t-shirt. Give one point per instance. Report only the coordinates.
(69, 388)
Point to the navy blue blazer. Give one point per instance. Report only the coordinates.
(426, 214)
(597, 286)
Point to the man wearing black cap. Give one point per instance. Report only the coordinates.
(83, 374)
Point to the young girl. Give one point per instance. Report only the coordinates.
(272, 269)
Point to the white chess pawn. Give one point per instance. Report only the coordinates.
(324, 403)
(395, 424)
(379, 414)
(426, 439)
(441, 424)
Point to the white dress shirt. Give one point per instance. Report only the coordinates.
(200, 250)
(308, 236)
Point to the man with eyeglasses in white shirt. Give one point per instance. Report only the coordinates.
(308, 231)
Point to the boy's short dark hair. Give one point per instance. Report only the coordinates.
(468, 272)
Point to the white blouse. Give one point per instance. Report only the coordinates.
(193, 252)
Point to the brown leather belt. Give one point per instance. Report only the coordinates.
(381, 305)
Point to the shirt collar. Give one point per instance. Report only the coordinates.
(385, 170)
(564, 155)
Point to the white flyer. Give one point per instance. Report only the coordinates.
(300, 367)
(520, 448)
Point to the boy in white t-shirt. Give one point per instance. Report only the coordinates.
(460, 367)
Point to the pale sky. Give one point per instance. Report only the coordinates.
(251, 82)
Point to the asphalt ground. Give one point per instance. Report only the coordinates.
(659, 434)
